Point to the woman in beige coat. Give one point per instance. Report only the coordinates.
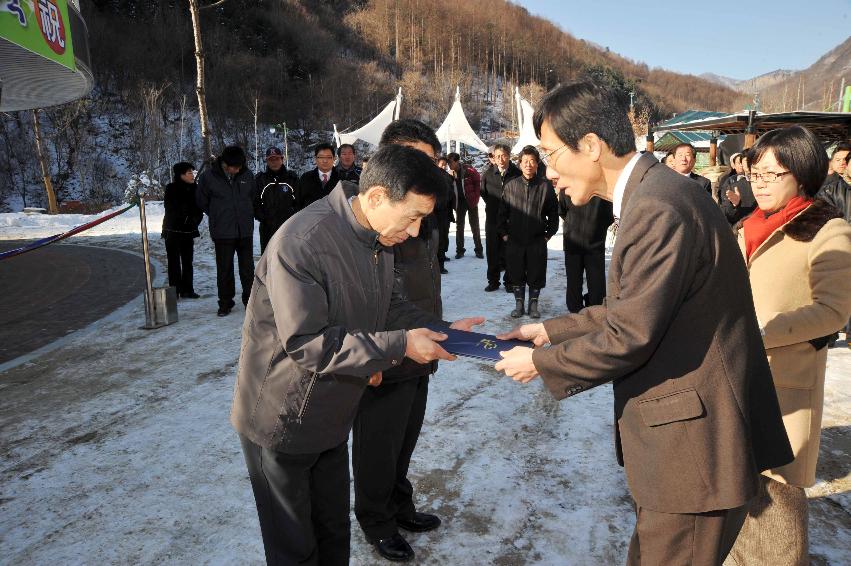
(798, 252)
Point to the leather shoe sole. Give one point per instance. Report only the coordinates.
(394, 548)
(421, 523)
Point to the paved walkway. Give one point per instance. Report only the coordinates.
(53, 291)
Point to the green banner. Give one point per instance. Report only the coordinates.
(40, 26)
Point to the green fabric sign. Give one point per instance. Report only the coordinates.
(40, 26)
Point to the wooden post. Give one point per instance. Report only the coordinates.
(713, 150)
(750, 132)
(52, 205)
(199, 83)
(650, 142)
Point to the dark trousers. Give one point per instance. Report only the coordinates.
(593, 266)
(443, 235)
(494, 252)
(464, 210)
(302, 503)
(266, 233)
(225, 249)
(699, 539)
(526, 264)
(179, 251)
(385, 434)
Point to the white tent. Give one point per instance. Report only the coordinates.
(527, 126)
(371, 132)
(456, 128)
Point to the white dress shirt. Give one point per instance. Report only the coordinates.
(620, 185)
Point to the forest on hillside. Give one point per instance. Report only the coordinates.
(309, 64)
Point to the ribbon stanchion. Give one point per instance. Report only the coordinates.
(57, 237)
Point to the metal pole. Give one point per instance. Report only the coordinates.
(150, 315)
(286, 146)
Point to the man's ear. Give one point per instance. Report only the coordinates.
(375, 196)
(592, 146)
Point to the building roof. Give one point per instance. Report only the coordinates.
(829, 126)
(669, 135)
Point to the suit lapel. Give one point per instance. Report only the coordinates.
(645, 162)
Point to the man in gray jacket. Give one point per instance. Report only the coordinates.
(315, 334)
(226, 195)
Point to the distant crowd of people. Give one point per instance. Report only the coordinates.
(717, 351)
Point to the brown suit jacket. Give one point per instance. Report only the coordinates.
(696, 412)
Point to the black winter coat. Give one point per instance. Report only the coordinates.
(274, 199)
(492, 187)
(746, 206)
(228, 202)
(417, 274)
(528, 210)
(310, 189)
(838, 193)
(351, 175)
(702, 181)
(585, 227)
(182, 215)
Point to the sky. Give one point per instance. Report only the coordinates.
(717, 36)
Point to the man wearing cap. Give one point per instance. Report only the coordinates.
(274, 199)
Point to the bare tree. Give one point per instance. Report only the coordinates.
(199, 83)
(52, 205)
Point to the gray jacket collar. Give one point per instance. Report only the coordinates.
(339, 201)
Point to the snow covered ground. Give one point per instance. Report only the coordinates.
(116, 447)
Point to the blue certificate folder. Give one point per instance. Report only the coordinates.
(476, 345)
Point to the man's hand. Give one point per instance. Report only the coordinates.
(505, 238)
(375, 379)
(535, 333)
(517, 364)
(423, 346)
(467, 324)
(734, 197)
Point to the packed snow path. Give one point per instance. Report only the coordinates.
(116, 447)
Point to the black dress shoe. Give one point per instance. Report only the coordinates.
(491, 287)
(420, 522)
(443, 270)
(192, 295)
(480, 255)
(394, 548)
(223, 311)
(459, 255)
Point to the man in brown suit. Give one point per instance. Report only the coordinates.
(696, 412)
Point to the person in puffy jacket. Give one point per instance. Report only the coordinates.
(226, 195)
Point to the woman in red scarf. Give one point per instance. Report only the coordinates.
(798, 253)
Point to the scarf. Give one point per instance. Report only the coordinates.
(760, 225)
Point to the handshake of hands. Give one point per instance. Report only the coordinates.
(424, 346)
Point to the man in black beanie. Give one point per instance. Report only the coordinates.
(226, 194)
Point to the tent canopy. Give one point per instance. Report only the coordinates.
(372, 131)
(527, 126)
(456, 127)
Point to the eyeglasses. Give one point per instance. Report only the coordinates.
(545, 157)
(768, 176)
